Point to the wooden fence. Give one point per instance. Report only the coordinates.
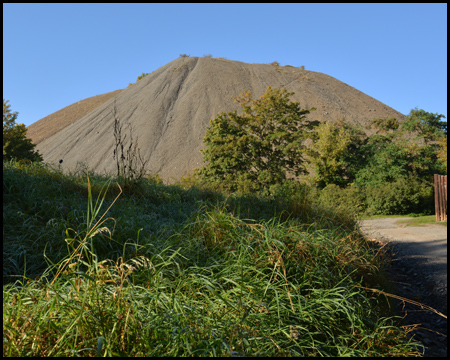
(440, 197)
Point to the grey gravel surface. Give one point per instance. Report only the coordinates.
(418, 272)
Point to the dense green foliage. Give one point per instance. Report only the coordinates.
(259, 148)
(428, 126)
(432, 130)
(15, 142)
(335, 153)
(442, 151)
(170, 271)
(401, 163)
(389, 172)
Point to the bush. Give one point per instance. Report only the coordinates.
(351, 198)
(141, 76)
(404, 196)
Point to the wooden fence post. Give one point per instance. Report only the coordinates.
(440, 197)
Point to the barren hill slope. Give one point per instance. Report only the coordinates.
(51, 124)
(170, 109)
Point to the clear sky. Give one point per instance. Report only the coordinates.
(57, 54)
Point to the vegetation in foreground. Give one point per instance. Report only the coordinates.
(154, 270)
(238, 260)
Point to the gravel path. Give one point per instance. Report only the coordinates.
(418, 273)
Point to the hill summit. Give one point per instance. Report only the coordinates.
(170, 109)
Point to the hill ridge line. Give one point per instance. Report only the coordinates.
(170, 108)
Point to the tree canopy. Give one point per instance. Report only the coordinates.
(428, 126)
(15, 143)
(271, 142)
(389, 172)
(334, 153)
(261, 147)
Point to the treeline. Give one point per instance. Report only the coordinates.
(272, 143)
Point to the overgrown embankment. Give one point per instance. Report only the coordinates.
(149, 269)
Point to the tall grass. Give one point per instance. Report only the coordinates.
(165, 271)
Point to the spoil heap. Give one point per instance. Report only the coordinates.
(170, 109)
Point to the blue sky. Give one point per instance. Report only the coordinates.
(57, 54)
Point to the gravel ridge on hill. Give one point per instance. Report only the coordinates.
(170, 109)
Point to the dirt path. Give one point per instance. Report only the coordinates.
(419, 273)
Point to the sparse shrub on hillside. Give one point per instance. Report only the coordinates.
(129, 162)
(141, 76)
(184, 55)
(302, 67)
(207, 56)
(275, 63)
(138, 78)
(384, 125)
(15, 142)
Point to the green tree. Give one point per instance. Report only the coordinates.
(429, 155)
(387, 161)
(432, 130)
(15, 143)
(259, 148)
(334, 153)
(442, 151)
(392, 168)
(398, 176)
(384, 125)
(409, 148)
(426, 125)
